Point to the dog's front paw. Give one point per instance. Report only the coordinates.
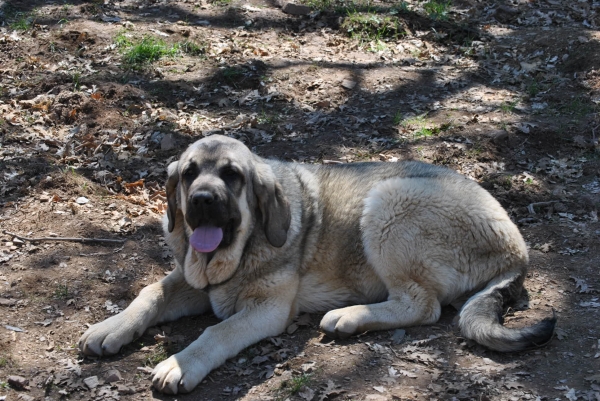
(341, 323)
(107, 337)
(176, 375)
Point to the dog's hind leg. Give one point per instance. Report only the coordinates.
(399, 225)
(409, 305)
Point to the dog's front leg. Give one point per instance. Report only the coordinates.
(263, 313)
(165, 300)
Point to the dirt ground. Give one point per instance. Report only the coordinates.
(505, 92)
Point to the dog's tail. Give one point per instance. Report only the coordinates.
(481, 318)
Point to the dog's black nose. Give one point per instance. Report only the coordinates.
(202, 198)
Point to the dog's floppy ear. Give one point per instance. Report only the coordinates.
(172, 181)
(273, 204)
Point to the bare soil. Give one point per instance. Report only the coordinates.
(505, 92)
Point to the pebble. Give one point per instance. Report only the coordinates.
(113, 375)
(92, 382)
(7, 302)
(18, 382)
(348, 84)
(296, 9)
(123, 389)
(82, 200)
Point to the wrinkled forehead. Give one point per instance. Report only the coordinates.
(216, 152)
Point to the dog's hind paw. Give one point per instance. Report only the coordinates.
(341, 323)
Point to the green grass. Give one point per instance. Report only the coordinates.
(231, 75)
(76, 81)
(15, 19)
(533, 88)
(421, 127)
(3, 361)
(267, 119)
(372, 26)
(21, 21)
(578, 107)
(193, 48)
(157, 355)
(61, 291)
(437, 10)
(365, 22)
(508, 107)
(321, 5)
(22, 24)
(397, 118)
(123, 40)
(221, 2)
(345, 6)
(293, 386)
(138, 53)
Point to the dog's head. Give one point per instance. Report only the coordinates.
(217, 184)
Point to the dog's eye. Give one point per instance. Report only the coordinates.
(229, 174)
(190, 171)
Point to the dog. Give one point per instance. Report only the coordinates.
(377, 246)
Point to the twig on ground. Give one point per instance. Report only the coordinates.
(103, 253)
(58, 239)
(531, 206)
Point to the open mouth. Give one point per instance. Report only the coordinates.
(206, 238)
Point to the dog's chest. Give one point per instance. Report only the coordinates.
(223, 300)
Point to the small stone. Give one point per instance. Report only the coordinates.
(348, 84)
(292, 328)
(7, 302)
(18, 382)
(25, 397)
(112, 376)
(168, 142)
(123, 389)
(92, 382)
(296, 9)
(82, 200)
(500, 137)
(44, 198)
(398, 336)
(560, 207)
(18, 242)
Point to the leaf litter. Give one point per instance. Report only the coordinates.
(76, 125)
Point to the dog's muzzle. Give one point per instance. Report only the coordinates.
(213, 219)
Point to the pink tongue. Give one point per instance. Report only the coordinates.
(206, 238)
